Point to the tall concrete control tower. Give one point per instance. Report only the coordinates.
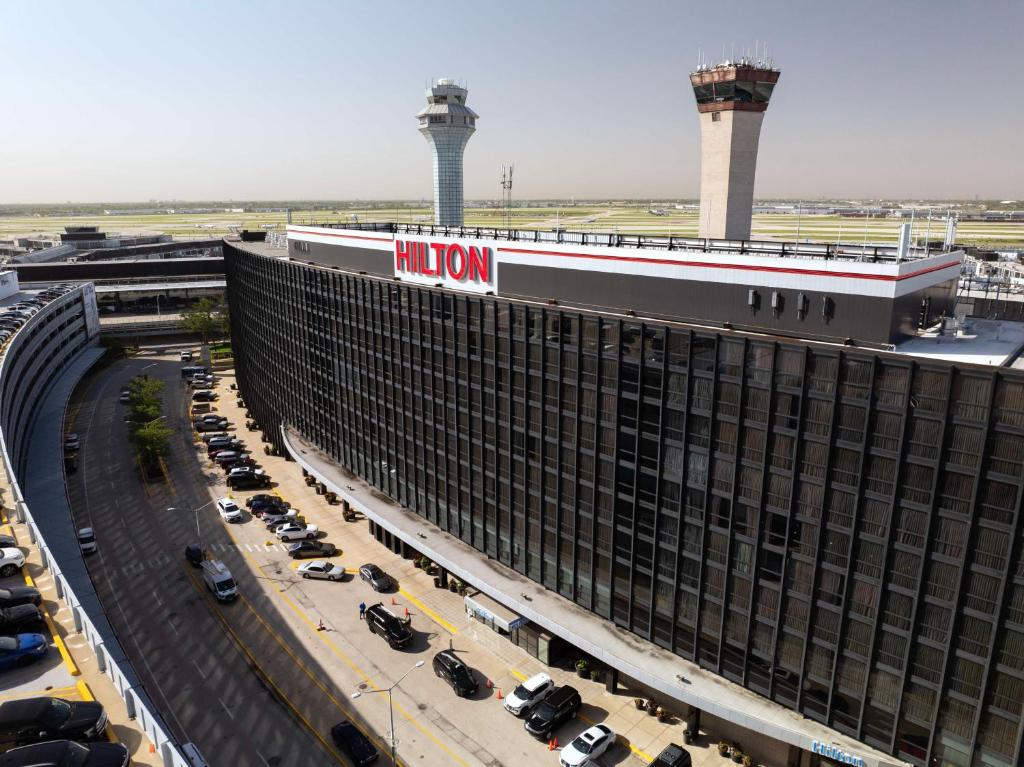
(731, 99)
(447, 123)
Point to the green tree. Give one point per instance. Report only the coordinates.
(206, 319)
(145, 400)
(151, 441)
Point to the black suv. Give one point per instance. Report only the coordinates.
(32, 720)
(457, 674)
(19, 619)
(381, 621)
(353, 743)
(558, 707)
(247, 480)
(12, 596)
(61, 752)
(672, 756)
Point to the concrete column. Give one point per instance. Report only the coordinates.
(405, 550)
(444, 577)
(345, 508)
(693, 720)
(611, 681)
(387, 540)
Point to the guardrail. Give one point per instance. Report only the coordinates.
(116, 667)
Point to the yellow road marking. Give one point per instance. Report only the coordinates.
(59, 692)
(61, 647)
(517, 675)
(335, 649)
(86, 693)
(429, 613)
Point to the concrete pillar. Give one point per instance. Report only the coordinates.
(611, 681)
(693, 720)
(345, 508)
(405, 550)
(387, 540)
(444, 577)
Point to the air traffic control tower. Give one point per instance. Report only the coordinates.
(447, 123)
(731, 99)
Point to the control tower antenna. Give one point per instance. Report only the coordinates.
(731, 101)
(506, 193)
(447, 123)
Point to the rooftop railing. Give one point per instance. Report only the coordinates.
(816, 250)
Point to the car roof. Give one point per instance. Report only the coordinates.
(23, 710)
(536, 681)
(85, 531)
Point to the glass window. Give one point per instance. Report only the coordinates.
(704, 93)
(763, 91)
(725, 91)
(744, 91)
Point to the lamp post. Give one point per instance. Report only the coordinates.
(391, 708)
(199, 533)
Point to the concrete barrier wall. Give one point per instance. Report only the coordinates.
(65, 355)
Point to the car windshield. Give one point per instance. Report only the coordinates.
(8, 644)
(77, 755)
(583, 746)
(225, 585)
(522, 693)
(57, 713)
(87, 538)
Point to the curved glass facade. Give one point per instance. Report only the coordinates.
(835, 529)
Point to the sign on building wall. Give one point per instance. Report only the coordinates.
(468, 265)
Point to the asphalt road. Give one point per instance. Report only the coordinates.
(192, 668)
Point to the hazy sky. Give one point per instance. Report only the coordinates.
(261, 100)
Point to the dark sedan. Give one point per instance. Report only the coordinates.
(31, 720)
(12, 596)
(351, 742)
(205, 395)
(312, 549)
(377, 578)
(61, 753)
(18, 620)
(261, 498)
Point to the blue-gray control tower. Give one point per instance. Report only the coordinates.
(447, 123)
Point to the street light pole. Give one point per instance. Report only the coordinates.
(199, 533)
(391, 708)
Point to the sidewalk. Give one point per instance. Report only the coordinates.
(508, 664)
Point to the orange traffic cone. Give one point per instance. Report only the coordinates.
(393, 601)
(406, 612)
(152, 748)
(554, 743)
(500, 696)
(551, 745)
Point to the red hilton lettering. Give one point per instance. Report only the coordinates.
(479, 264)
(456, 269)
(403, 256)
(438, 248)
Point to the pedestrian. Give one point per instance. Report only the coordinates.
(362, 611)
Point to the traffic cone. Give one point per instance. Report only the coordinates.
(152, 748)
(500, 696)
(554, 743)
(393, 601)
(406, 612)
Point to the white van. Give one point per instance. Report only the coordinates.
(218, 580)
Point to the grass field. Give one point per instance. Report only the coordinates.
(625, 219)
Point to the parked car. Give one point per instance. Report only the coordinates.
(377, 578)
(8, 542)
(207, 436)
(383, 622)
(124, 397)
(218, 580)
(71, 443)
(66, 753)
(223, 444)
(21, 650)
(292, 531)
(449, 667)
(672, 756)
(260, 498)
(185, 356)
(587, 746)
(321, 569)
(12, 596)
(194, 554)
(229, 510)
(32, 720)
(239, 463)
(87, 540)
(274, 521)
(204, 395)
(227, 456)
(246, 479)
(20, 619)
(266, 508)
(528, 694)
(11, 560)
(309, 548)
(548, 715)
(351, 742)
(218, 425)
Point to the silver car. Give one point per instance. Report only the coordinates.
(321, 568)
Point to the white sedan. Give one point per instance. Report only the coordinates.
(292, 531)
(321, 568)
(589, 745)
(11, 560)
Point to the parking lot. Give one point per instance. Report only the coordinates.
(264, 677)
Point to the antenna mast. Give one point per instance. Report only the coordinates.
(506, 194)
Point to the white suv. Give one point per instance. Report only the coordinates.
(11, 560)
(529, 694)
(229, 510)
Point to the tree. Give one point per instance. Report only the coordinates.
(151, 441)
(205, 319)
(145, 400)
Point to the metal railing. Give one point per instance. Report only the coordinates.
(777, 249)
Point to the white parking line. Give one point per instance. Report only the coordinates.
(226, 709)
(200, 670)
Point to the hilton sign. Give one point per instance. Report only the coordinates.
(461, 265)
